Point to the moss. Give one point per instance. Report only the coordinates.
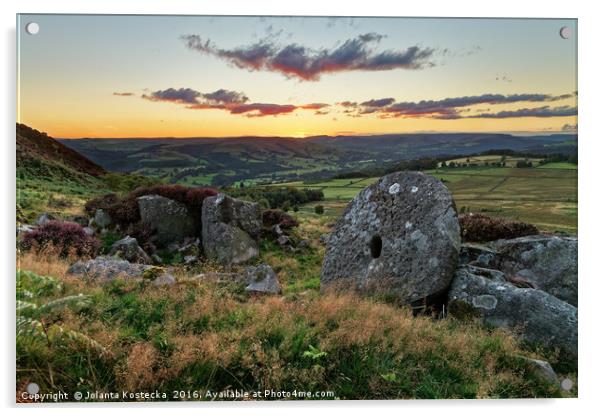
(462, 310)
(152, 273)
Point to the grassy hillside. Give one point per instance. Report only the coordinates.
(51, 176)
(204, 335)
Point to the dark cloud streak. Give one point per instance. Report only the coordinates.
(297, 61)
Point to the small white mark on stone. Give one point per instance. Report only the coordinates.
(414, 189)
(408, 225)
(394, 189)
(433, 262)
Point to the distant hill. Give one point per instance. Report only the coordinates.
(39, 153)
(224, 161)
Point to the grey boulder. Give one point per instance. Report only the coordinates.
(169, 219)
(230, 229)
(542, 370)
(104, 268)
(45, 218)
(102, 219)
(399, 236)
(548, 262)
(537, 316)
(262, 279)
(128, 249)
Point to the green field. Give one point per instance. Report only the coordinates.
(544, 197)
(484, 160)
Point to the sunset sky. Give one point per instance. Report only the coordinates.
(181, 76)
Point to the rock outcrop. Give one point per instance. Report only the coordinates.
(230, 229)
(544, 262)
(128, 249)
(547, 262)
(399, 236)
(169, 219)
(537, 316)
(102, 219)
(104, 268)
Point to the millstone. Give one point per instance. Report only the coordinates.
(399, 237)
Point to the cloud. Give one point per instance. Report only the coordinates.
(261, 109)
(232, 101)
(314, 106)
(447, 108)
(382, 102)
(226, 97)
(180, 95)
(546, 111)
(306, 64)
(123, 94)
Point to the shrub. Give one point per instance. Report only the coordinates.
(104, 202)
(68, 238)
(278, 197)
(480, 227)
(271, 217)
(121, 182)
(319, 209)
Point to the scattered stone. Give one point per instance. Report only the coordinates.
(105, 269)
(45, 218)
(262, 279)
(156, 259)
(24, 228)
(399, 236)
(89, 231)
(543, 370)
(537, 316)
(190, 259)
(128, 249)
(102, 219)
(165, 279)
(546, 262)
(231, 229)
(169, 219)
(277, 230)
(283, 240)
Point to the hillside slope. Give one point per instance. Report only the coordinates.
(50, 176)
(225, 161)
(38, 151)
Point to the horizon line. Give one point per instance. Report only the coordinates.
(509, 133)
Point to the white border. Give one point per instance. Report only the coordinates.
(590, 154)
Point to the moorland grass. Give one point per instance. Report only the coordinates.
(201, 335)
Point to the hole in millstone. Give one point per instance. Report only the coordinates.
(376, 246)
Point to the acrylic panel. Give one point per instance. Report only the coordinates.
(294, 208)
